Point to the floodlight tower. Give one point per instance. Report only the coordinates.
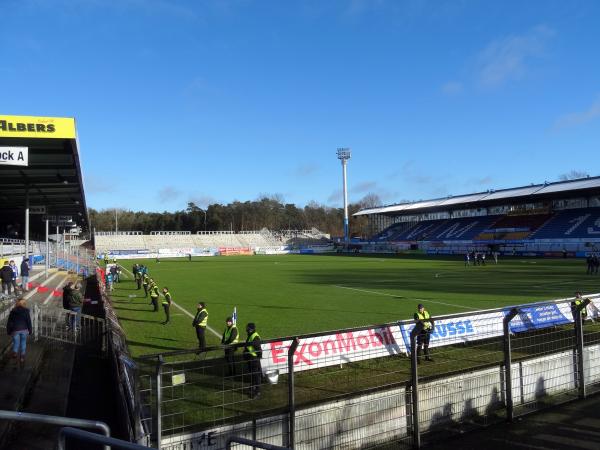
(343, 155)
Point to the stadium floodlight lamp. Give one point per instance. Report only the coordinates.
(343, 154)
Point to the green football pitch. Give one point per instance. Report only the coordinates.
(299, 294)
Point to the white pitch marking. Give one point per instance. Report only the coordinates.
(419, 299)
(185, 311)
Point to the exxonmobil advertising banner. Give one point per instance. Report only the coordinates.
(345, 347)
(334, 349)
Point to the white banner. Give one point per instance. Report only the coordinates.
(14, 156)
(345, 347)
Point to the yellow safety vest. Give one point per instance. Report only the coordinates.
(204, 322)
(167, 299)
(154, 291)
(424, 317)
(584, 310)
(227, 334)
(146, 278)
(250, 348)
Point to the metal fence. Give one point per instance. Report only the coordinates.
(66, 326)
(381, 396)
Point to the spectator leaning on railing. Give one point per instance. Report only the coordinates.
(6, 275)
(75, 303)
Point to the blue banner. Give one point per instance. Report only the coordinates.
(445, 332)
(536, 317)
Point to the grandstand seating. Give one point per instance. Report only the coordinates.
(570, 224)
(514, 227)
(257, 239)
(464, 228)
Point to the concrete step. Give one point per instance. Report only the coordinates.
(49, 395)
(15, 382)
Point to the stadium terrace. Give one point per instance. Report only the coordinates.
(548, 219)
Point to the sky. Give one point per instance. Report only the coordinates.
(216, 101)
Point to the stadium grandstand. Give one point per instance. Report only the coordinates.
(134, 244)
(549, 219)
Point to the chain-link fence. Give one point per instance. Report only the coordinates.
(366, 388)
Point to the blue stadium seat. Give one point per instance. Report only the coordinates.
(573, 223)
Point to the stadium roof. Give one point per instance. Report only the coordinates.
(51, 176)
(535, 192)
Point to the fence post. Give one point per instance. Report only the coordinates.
(36, 322)
(415, 385)
(508, 364)
(159, 369)
(291, 394)
(579, 346)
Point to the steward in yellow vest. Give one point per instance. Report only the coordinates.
(200, 323)
(154, 294)
(423, 319)
(252, 355)
(166, 304)
(230, 336)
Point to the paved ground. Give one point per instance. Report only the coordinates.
(575, 425)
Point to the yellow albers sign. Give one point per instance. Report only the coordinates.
(37, 127)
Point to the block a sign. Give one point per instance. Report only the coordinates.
(14, 156)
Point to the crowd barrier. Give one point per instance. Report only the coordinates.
(363, 387)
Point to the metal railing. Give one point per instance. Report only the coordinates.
(250, 443)
(380, 394)
(70, 327)
(56, 420)
(85, 436)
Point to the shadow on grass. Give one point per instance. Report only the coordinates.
(158, 320)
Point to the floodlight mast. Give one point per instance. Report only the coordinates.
(343, 155)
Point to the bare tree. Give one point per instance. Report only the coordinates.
(573, 175)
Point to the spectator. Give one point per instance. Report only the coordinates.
(115, 273)
(15, 274)
(25, 274)
(109, 281)
(75, 303)
(18, 327)
(6, 275)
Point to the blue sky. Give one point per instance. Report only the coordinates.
(227, 100)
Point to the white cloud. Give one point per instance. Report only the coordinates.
(508, 58)
(452, 88)
(579, 118)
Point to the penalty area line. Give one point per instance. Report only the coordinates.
(396, 296)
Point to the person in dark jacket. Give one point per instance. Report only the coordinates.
(200, 323)
(15, 271)
(24, 274)
(67, 290)
(230, 336)
(18, 326)
(75, 303)
(6, 275)
(252, 356)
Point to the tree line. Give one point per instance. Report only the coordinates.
(267, 212)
